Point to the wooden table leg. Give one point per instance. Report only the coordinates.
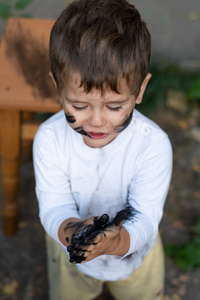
(10, 152)
(26, 145)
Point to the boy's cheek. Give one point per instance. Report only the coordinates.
(124, 123)
(70, 118)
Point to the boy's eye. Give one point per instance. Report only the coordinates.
(114, 108)
(79, 107)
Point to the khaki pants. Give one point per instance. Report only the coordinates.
(67, 283)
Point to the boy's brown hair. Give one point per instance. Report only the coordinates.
(102, 40)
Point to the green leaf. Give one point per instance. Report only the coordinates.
(21, 4)
(187, 257)
(169, 250)
(5, 10)
(194, 91)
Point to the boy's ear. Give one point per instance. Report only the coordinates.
(51, 75)
(143, 88)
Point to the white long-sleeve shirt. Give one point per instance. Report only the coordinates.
(74, 180)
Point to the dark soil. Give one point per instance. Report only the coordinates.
(23, 270)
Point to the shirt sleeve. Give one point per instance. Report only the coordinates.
(53, 190)
(147, 193)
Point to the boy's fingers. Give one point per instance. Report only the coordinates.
(79, 252)
(85, 232)
(84, 242)
(69, 248)
(76, 252)
(124, 214)
(77, 259)
(92, 238)
(76, 243)
(120, 217)
(101, 221)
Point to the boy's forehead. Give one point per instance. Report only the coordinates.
(73, 88)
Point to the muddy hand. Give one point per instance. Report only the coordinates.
(99, 223)
(81, 232)
(88, 246)
(85, 236)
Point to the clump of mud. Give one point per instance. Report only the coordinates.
(30, 57)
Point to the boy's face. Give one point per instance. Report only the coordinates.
(98, 118)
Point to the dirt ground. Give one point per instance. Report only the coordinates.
(23, 270)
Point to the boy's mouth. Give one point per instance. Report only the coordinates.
(97, 135)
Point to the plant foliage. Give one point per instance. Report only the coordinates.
(187, 257)
(13, 8)
(22, 4)
(169, 76)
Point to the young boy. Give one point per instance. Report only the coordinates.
(102, 168)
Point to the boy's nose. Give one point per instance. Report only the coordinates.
(97, 119)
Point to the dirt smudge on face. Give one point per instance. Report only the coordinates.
(125, 123)
(70, 119)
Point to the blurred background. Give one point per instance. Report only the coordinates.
(172, 100)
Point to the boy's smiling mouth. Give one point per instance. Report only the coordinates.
(97, 135)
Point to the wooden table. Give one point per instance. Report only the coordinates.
(24, 42)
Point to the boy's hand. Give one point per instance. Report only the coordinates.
(74, 227)
(90, 225)
(88, 244)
